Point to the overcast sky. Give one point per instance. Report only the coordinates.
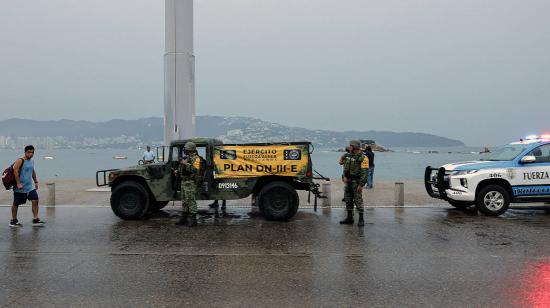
(475, 70)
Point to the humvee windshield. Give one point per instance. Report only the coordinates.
(176, 153)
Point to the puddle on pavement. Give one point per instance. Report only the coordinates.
(202, 215)
(227, 216)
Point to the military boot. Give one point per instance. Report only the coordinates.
(213, 205)
(183, 220)
(348, 220)
(361, 222)
(193, 220)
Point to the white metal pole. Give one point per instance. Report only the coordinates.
(179, 71)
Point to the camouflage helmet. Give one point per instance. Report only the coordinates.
(190, 146)
(355, 143)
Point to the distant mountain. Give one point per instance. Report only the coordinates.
(228, 129)
(242, 129)
(147, 129)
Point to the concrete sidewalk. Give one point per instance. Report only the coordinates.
(78, 192)
(85, 256)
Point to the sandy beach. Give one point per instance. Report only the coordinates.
(76, 192)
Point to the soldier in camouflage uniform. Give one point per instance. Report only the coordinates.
(356, 166)
(188, 171)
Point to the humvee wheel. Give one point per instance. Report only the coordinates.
(157, 206)
(130, 201)
(461, 204)
(493, 200)
(278, 201)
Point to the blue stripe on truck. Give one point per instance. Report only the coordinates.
(531, 190)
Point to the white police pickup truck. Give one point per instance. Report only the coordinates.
(517, 172)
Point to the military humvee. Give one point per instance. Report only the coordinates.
(270, 172)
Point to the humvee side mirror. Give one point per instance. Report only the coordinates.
(528, 159)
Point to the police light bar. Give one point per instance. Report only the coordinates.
(545, 136)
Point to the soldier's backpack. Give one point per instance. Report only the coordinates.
(8, 176)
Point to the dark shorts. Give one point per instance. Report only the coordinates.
(21, 198)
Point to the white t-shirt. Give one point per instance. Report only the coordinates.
(148, 156)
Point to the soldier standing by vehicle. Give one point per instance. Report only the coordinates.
(341, 162)
(188, 172)
(356, 167)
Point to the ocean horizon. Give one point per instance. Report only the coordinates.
(401, 164)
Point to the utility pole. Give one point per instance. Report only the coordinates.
(179, 71)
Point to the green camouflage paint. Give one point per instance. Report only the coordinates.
(163, 184)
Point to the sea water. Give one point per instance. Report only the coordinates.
(402, 164)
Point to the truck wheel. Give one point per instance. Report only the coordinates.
(493, 200)
(278, 201)
(461, 204)
(157, 206)
(130, 201)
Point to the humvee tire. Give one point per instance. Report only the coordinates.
(130, 200)
(461, 204)
(278, 201)
(157, 206)
(492, 200)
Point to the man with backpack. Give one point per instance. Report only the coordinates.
(25, 187)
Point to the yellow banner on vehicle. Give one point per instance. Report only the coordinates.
(260, 160)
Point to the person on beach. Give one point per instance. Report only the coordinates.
(370, 155)
(25, 188)
(148, 156)
(356, 167)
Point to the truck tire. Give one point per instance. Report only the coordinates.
(278, 201)
(130, 201)
(492, 200)
(157, 206)
(462, 205)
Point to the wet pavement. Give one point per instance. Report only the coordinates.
(85, 256)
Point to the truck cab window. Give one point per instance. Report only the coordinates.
(542, 153)
(176, 154)
(202, 151)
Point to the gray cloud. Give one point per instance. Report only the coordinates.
(473, 70)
